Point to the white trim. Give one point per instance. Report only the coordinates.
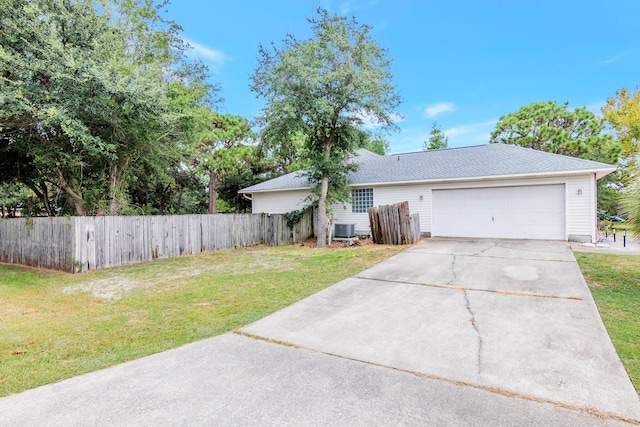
(460, 179)
(486, 178)
(271, 190)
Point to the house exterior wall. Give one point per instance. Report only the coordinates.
(581, 224)
(278, 202)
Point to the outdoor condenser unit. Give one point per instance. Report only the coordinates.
(345, 230)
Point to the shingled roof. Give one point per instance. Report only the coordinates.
(454, 164)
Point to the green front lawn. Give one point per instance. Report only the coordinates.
(614, 281)
(56, 325)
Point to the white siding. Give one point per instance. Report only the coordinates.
(279, 202)
(387, 195)
(580, 208)
(342, 215)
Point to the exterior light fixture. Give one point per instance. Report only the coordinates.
(579, 191)
(421, 197)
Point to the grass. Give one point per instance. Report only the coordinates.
(619, 226)
(614, 281)
(56, 325)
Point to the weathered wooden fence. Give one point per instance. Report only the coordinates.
(78, 244)
(394, 224)
(39, 242)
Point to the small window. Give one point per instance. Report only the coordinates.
(362, 200)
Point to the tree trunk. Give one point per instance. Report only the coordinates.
(163, 200)
(212, 191)
(42, 194)
(322, 213)
(322, 203)
(113, 172)
(74, 196)
(179, 200)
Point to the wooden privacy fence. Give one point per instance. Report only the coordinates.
(78, 244)
(394, 224)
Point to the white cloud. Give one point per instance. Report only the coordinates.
(350, 6)
(475, 133)
(615, 58)
(596, 107)
(412, 139)
(434, 110)
(346, 7)
(212, 57)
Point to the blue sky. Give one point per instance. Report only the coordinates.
(460, 63)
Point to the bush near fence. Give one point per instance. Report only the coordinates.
(78, 244)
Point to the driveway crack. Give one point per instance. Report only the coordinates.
(453, 272)
(475, 327)
(493, 245)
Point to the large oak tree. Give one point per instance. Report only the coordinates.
(85, 98)
(320, 90)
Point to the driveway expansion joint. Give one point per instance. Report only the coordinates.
(463, 288)
(488, 388)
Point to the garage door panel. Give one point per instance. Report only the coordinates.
(522, 212)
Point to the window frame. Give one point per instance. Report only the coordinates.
(361, 199)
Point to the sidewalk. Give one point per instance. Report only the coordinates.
(606, 245)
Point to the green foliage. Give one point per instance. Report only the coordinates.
(294, 217)
(253, 169)
(285, 148)
(437, 139)
(550, 127)
(378, 146)
(630, 200)
(623, 114)
(609, 193)
(222, 150)
(16, 198)
(318, 93)
(87, 100)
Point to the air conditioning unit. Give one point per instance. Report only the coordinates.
(344, 231)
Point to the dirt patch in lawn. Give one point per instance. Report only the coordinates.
(338, 244)
(255, 259)
(117, 285)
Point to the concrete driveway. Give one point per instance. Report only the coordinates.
(449, 332)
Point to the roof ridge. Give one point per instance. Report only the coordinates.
(459, 163)
(434, 151)
(547, 153)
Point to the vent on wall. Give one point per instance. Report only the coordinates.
(345, 231)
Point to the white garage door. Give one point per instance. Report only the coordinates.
(524, 212)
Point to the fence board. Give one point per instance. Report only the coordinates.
(394, 224)
(86, 243)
